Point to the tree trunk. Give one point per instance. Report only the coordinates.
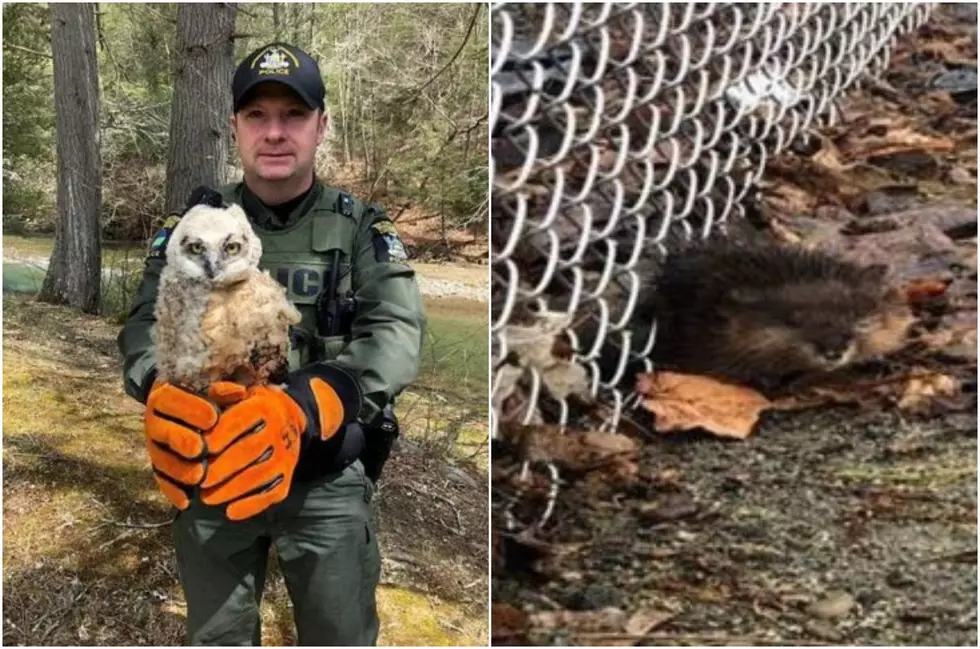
(202, 99)
(100, 35)
(75, 271)
(310, 25)
(296, 9)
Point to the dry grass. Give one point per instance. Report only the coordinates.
(445, 410)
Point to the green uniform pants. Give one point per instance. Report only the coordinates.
(327, 550)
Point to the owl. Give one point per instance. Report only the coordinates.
(218, 316)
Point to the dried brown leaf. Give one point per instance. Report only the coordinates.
(685, 402)
(910, 161)
(897, 139)
(576, 449)
(565, 378)
(582, 451)
(505, 384)
(960, 176)
(913, 252)
(828, 157)
(535, 345)
(948, 51)
(507, 624)
(887, 199)
(527, 539)
(956, 337)
(786, 200)
(923, 290)
(818, 396)
(640, 624)
(670, 507)
(606, 619)
(646, 620)
(923, 389)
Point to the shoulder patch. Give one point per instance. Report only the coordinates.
(158, 246)
(345, 204)
(387, 246)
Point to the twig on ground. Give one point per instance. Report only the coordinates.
(962, 556)
(123, 535)
(108, 520)
(449, 625)
(882, 88)
(145, 526)
(660, 639)
(60, 614)
(481, 448)
(423, 492)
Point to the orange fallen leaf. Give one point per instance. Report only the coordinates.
(686, 401)
(922, 290)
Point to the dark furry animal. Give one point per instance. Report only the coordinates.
(762, 314)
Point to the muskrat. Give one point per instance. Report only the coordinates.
(764, 314)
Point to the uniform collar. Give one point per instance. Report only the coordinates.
(279, 217)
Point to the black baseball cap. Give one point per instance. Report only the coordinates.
(282, 63)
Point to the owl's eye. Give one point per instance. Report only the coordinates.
(233, 248)
(196, 248)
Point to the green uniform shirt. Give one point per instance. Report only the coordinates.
(384, 345)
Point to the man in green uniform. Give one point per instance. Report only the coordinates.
(229, 461)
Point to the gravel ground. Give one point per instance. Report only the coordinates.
(831, 527)
(433, 287)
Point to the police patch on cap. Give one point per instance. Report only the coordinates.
(387, 246)
(282, 63)
(274, 60)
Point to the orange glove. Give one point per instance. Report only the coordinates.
(254, 448)
(173, 422)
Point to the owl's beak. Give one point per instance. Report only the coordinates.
(209, 268)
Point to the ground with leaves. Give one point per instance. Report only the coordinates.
(833, 527)
(88, 556)
(828, 524)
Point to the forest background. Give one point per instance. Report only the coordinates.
(406, 92)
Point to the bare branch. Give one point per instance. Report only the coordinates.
(466, 37)
(28, 50)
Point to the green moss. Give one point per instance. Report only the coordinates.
(412, 618)
(910, 475)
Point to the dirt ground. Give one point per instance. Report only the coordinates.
(87, 552)
(747, 542)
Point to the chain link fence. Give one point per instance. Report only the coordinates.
(618, 129)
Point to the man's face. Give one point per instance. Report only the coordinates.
(277, 134)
